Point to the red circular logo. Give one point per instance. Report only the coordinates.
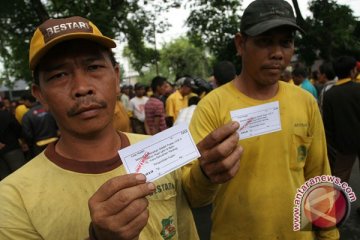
(325, 206)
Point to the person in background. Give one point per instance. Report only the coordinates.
(224, 72)
(179, 99)
(299, 75)
(341, 115)
(154, 107)
(169, 89)
(137, 107)
(11, 155)
(121, 120)
(286, 75)
(328, 78)
(39, 128)
(257, 201)
(124, 97)
(26, 102)
(185, 114)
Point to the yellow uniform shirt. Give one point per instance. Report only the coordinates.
(45, 201)
(121, 121)
(174, 103)
(258, 202)
(20, 112)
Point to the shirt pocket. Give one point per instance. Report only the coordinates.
(299, 149)
(162, 223)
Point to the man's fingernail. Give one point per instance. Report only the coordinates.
(235, 124)
(151, 186)
(140, 177)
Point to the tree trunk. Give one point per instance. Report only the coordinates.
(40, 10)
(299, 18)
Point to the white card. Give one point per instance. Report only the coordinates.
(160, 154)
(258, 120)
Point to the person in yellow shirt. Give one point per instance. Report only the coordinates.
(121, 121)
(27, 101)
(77, 187)
(258, 201)
(179, 99)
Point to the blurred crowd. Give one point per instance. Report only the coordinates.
(27, 127)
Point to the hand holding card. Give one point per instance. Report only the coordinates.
(160, 154)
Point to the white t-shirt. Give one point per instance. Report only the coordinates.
(137, 106)
(185, 115)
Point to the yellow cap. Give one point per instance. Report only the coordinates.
(54, 31)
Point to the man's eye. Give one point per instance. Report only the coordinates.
(287, 43)
(57, 76)
(94, 67)
(263, 42)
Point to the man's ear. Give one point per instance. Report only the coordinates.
(239, 43)
(117, 78)
(36, 92)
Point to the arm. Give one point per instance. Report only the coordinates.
(118, 209)
(317, 163)
(219, 162)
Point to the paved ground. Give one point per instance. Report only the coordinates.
(349, 231)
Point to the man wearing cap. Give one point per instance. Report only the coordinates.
(179, 99)
(258, 202)
(77, 188)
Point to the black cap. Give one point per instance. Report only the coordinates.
(263, 15)
(189, 82)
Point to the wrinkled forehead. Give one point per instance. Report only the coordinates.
(73, 49)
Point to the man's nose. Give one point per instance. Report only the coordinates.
(276, 51)
(81, 84)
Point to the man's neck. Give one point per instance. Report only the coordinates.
(95, 147)
(256, 91)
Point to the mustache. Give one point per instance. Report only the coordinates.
(84, 102)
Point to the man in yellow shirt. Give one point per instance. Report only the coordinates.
(179, 99)
(258, 202)
(77, 188)
(27, 101)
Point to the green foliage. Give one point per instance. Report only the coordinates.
(213, 24)
(184, 58)
(17, 23)
(330, 32)
(124, 19)
(178, 58)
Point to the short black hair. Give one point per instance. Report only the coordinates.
(343, 66)
(327, 69)
(299, 70)
(157, 81)
(194, 100)
(108, 51)
(224, 72)
(139, 86)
